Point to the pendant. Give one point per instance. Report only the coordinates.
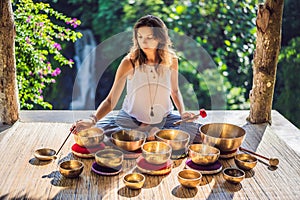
(151, 113)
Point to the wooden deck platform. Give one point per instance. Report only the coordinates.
(24, 177)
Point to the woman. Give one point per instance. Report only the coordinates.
(150, 73)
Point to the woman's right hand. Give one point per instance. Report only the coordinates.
(82, 124)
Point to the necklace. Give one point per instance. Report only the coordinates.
(152, 99)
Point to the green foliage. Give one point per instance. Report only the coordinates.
(287, 87)
(224, 28)
(103, 17)
(41, 34)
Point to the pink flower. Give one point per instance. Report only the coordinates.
(71, 61)
(74, 22)
(28, 19)
(56, 72)
(57, 46)
(203, 113)
(27, 40)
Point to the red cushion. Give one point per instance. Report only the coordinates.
(141, 162)
(79, 149)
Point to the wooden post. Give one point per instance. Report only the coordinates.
(9, 106)
(268, 42)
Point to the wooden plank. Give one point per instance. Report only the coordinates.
(23, 177)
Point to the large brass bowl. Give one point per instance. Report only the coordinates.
(89, 137)
(129, 140)
(189, 178)
(245, 161)
(203, 154)
(111, 158)
(71, 168)
(226, 137)
(156, 152)
(134, 180)
(177, 139)
(233, 175)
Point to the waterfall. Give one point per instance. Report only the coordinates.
(85, 85)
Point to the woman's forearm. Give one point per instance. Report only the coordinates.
(103, 109)
(178, 101)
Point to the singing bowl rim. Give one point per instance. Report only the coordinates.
(99, 159)
(76, 171)
(160, 157)
(101, 132)
(189, 182)
(237, 135)
(215, 149)
(223, 138)
(158, 142)
(89, 141)
(137, 184)
(38, 155)
(233, 179)
(204, 158)
(246, 165)
(142, 136)
(157, 134)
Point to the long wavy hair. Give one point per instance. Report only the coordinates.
(164, 52)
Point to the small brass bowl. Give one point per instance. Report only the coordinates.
(225, 137)
(189, 178)
(110, 158)
(233, 175)
(134, 180)
(89, 137)
(71, 168)
(245, 161)
(129, 140)
(45, 154)
(156, 152)
(177, 139)
(203, 154)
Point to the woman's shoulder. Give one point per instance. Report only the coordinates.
(127, 60)
(125, 66)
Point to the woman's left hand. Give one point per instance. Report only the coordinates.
(188, 116)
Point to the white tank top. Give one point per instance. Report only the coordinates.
(138, 102)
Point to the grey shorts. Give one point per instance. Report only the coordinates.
(122, 120)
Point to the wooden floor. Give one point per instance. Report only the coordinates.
(24, 177)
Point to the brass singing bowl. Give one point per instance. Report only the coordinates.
(134, 180)
(129, 140)
(233, 175)
(245, 161)
(156, 152)
(177, 139)
(45, 154)
(71, 168)
(89, 137)
(203, 154)
(189, 178)
(111, 158)
(225, 137)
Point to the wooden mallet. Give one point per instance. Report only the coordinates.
(202, 113)
(272, 161)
